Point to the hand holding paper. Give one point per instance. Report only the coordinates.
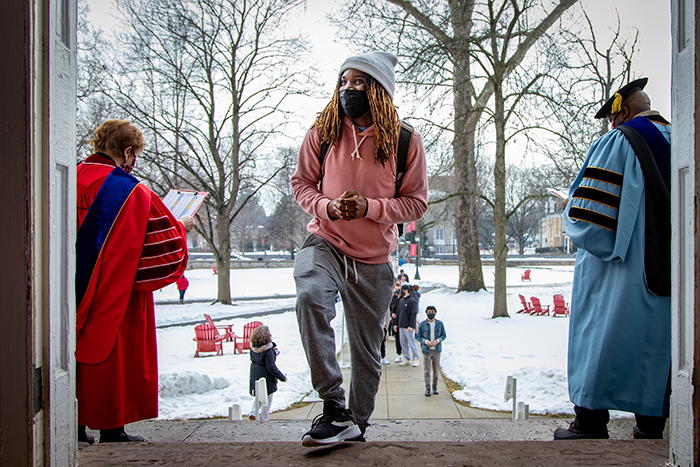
(187, 222)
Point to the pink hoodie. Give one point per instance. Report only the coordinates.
(350, 165)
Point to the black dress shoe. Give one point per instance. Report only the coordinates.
(639, 434)
(118, 435)
(83, 436)
(564, 433)
(435, 391)
(427, 392)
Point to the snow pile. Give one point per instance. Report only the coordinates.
(188, 382)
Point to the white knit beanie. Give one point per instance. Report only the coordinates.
(379, 65)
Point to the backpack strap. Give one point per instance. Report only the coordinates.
(405, 136)
(324, 150)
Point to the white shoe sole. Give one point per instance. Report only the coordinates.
(348, 433)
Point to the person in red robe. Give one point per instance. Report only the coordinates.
(129, 244)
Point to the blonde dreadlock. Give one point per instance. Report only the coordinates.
(386, 128)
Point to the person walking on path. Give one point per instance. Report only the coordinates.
(346, 178)
(403, 277)
(182, 284)
(619, 218)
(392, 309)
(385, 328)
(416, 294)
(128, 245)
(431, 334)
(406, 314)
(263, 358)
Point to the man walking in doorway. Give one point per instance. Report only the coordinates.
(349, 179)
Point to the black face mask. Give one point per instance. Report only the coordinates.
(354, 103)
(431, 315)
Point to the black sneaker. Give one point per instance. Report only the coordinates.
(435, 391)
(357, 439)
(118, 435)
(334, 425)
(83, 436)
(568, 434)
(639, 434)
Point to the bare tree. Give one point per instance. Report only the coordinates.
(93, 107)
(245, 226)
(287, 225)
(525, 203)
(461, 50)
(206, 80)
(597, 67)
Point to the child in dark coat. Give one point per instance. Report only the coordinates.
(263, 354)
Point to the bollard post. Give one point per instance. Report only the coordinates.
(512, 393)
(234, 412)
(260, 397)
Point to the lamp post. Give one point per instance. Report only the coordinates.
(418, 247)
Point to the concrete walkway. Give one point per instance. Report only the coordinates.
(401, 396)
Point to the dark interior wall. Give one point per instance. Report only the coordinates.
(16, 411)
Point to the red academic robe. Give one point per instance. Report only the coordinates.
(117, 377)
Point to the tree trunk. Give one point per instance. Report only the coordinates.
(223, 260)
(500, 248)
(471, 277)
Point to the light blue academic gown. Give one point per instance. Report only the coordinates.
(619, 332)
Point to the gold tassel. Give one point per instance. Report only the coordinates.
(617, 104)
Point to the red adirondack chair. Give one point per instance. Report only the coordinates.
(525, 276)
(228, 328)
(538, 310)
(214, 270)
(527, 308)
(243, 343)
(560, 308)
(208, 339)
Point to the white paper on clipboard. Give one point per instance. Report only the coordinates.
(184, 202)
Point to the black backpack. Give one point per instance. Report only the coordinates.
(404, 143)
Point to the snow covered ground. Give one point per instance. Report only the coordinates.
(479, 352)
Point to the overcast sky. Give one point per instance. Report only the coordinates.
(651, 17)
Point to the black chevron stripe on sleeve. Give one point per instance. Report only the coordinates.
(598, 196)
(603, 175)
(593, 217)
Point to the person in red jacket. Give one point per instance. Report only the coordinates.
(182, 284)
(129, 244)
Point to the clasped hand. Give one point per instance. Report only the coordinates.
(348, 206)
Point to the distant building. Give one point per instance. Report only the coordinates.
(552, 231)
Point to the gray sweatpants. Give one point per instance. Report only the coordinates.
(408, 343)
(320, 271)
